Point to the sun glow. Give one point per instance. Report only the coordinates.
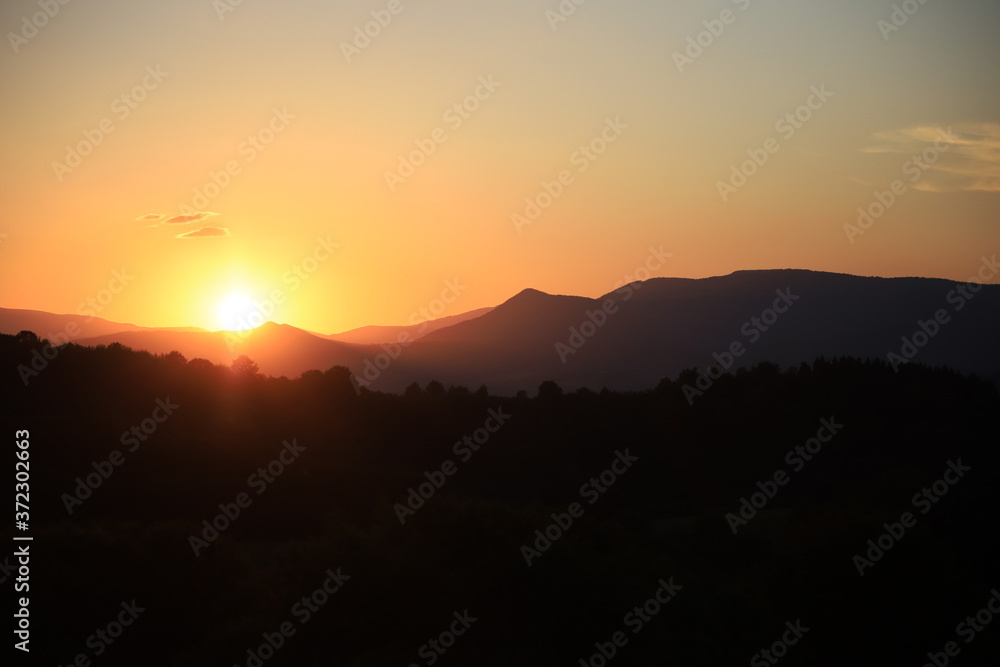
(238, 312)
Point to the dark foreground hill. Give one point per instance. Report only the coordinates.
(374, 528)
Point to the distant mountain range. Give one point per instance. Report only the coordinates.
(627, 339)
(48, 325)
(375, 335)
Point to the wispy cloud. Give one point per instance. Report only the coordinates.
(200, 216)
(205, 232)
(970, 163)
(158, 218)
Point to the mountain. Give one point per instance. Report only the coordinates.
(374, 335)
(630, 338)
(659, 327)
(53, 326)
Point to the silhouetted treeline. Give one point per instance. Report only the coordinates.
(204, 431)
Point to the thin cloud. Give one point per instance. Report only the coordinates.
(150, 216)
(960, 158)
(200, 216)
(205, 232)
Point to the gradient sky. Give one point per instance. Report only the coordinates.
(225, 73)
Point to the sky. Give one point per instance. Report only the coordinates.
(338, 164)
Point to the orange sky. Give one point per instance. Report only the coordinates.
(275, 130)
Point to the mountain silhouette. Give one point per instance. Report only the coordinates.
(375, 335)
(630, 338)
(663, 325)
(48, 325)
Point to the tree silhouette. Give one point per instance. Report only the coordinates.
(339, 382)
(549, 390)
(435, 389)
(202, 364)
(175, 357)
(245, 367)
(458, 391)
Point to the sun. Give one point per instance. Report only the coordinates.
(238, 312)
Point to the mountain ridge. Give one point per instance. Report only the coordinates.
(633, 336)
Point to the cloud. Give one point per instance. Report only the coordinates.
(959, 158)
(200, 216)
(205, 232)
(150, 216)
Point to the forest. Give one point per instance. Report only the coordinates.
(185, 513)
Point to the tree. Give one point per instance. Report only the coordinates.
(766, 369)
(27, 338)
(549, 390)
(175, 357)
(201, 364)
(245, 367)
(339, 381)
(458, 391)
(312, 379)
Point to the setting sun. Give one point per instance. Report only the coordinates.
(238, 312)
